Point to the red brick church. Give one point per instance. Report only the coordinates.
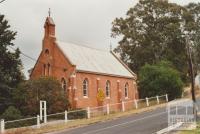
(82, 71)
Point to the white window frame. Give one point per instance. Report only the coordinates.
(85, 88)
(126, 90)
(108, 85)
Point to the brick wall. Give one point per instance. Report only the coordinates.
(117, 86)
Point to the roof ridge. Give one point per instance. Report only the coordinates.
(83, 45)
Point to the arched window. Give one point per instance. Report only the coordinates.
(107, 88)
(49, 69)
(126, 90)
(47, 52)
(64, 85)
(44, 69)
(85, 88)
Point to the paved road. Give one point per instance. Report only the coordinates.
(143, 123)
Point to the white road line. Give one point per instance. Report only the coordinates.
(95, 131)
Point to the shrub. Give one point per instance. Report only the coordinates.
(100, 95)
(160, 79)
(11, 113)
(29, 93)
(79, 114)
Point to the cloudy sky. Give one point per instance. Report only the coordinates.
(84, 22)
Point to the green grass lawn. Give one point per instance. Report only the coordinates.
(196, 131)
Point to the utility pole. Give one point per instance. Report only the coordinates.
(191, 69)
(191, 75)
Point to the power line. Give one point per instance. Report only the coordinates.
(25, 55)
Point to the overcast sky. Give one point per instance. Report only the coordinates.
(84, 22)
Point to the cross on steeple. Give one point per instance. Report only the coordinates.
(49, 12)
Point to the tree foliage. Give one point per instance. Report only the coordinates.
(160, 79)
(49, 89)
(153, 30)
(10, 64)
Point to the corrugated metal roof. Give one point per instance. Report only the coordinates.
(94, 60)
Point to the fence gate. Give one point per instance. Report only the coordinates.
(43, 111)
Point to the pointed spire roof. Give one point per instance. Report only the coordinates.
(49, 26)
(49, 21)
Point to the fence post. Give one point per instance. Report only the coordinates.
(66, 117)
(38, 121)
(147, 101)
(123, 107)
(45, 112)
(167, 98)
(136, 104)
(88, 112)
(2, 126)
(41, 108)
(108, 109)
(158, 101)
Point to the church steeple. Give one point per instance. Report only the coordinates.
(49, 26)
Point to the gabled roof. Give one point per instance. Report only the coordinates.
(93, 60)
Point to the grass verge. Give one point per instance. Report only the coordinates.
(196, 131)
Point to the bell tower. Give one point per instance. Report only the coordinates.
(49, 27)
(49, 33)
(48, 46)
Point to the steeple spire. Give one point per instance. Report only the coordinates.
(49, 25)
(49, 12)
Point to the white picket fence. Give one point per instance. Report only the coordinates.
(92, 111)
